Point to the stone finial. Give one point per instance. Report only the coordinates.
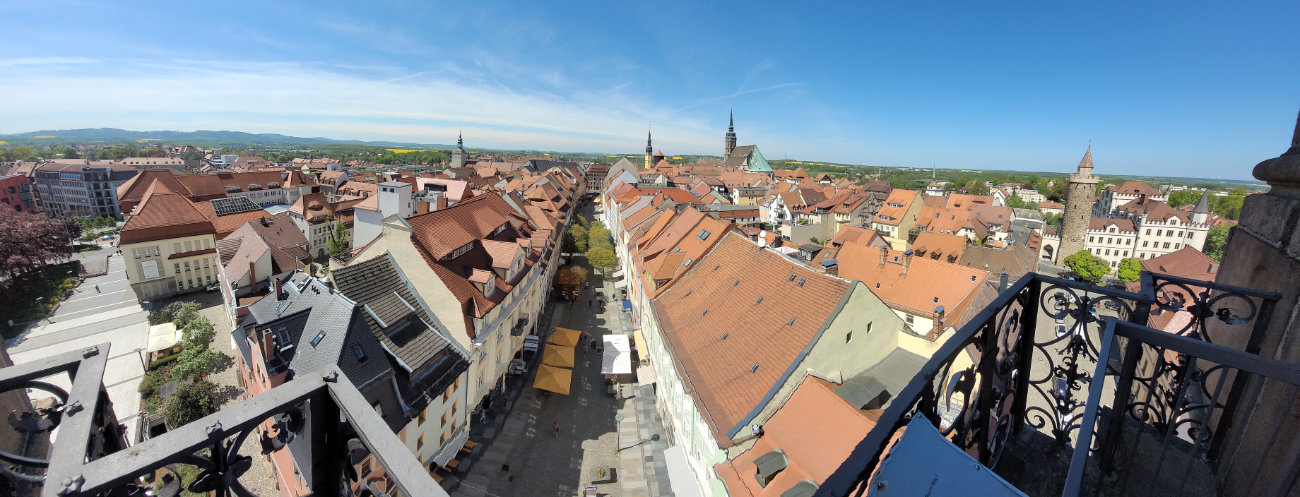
(1283, 172)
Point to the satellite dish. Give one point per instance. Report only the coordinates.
(758, 430)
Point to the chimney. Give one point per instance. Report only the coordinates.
(832, 267)
(1002, 282)
(441, 202)
(268, 344)
(907, 260)
(884, 256)
(252, 274)
(939, 320)
(275, 287)
(264, 223)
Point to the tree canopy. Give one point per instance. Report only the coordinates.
(602, 258)
(29, 241)
(1130, 269)
(1089, 267)
(190, 402)
(1215, 240)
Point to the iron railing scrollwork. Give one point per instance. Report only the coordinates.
(1039, 358)
(322, 418)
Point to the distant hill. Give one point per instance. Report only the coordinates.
(197, 138)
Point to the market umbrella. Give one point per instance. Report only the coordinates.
(564, 337)
(558, 356)
(553, 379)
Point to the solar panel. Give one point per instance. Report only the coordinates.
(233, 205)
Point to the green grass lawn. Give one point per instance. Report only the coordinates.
(18, 299)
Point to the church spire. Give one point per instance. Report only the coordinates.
(1085, 165)
(729, 141)
(649, 150)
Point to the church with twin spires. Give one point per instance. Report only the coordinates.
(746, 157)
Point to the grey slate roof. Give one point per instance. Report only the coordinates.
(738, 156)
(309, 308)
(889, 376)
(410, 335)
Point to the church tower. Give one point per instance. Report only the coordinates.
(458, 155)
(729, 143)
(649, 151)
(1079, 197)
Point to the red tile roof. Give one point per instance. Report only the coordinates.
(164, 214)
(891, 215)
(918, 287)
(817, 431)
(731, 375)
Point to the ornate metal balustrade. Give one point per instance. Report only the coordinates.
(323, 418)
(1043, 361)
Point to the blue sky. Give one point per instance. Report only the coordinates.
(1178, 88)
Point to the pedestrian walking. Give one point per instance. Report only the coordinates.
(588, 303)
(97, 289)
(555, 429)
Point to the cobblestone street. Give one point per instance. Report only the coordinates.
(519, 454)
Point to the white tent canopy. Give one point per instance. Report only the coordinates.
(618, 355)
(162, 337)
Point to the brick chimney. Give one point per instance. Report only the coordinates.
(275, 287)
(907, 260)
(441, 202)
(939, 323)
(884, 256)
(268, 344)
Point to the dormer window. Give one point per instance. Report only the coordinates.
(461, 250)
(499, 229)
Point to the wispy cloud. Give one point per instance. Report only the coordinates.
(308, 99)
(46, 61)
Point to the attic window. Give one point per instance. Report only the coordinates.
(716, 266)
(737, 282)
(936, 300)
(753, 368)
(877, 285)
(972, 277)
(802, 281)
(793, 276)
(361, 354)
(704, 234)
(282, 336)
(760, 301)
(791, 323)
(725, 335)
(688, 293)
(704, 313)
(676, 250)
(316, 340)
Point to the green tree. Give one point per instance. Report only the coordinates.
(194, 362)
(190, 403)
(1089, 267)
(185, 313)
(977, 187)
(1130, 269)
(1052, 219)
(1184, 197)
(575, 239)
(336, 241)
(1229, 206)
(1215, 240)
(580, 220)
(198, 333)
(602, 258)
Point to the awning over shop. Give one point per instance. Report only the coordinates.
(564, 337)
(553, 379)
(617, 274)
(558, 356)
(618, 355)
(638, 340)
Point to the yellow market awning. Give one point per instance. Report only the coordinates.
(638, 341)
(558, 356)
(553, 379)
(564, 337)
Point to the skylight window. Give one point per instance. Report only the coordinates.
(802, 281)
(759, 301)
(704, 234)
(316, 340)
(358, 352)
(793, 276)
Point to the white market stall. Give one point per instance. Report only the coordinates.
(617, 359)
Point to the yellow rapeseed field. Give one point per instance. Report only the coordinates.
(404, 150)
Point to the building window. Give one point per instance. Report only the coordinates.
(419, 442)
(909, 318)
(848, 337)
(178, 267)
(423, 416)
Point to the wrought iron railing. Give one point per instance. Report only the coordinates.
(1044, 361)
(335, 428)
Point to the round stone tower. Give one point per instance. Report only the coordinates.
(1079, 197)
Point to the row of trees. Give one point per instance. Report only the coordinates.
(1228, 206)
(592, 239)
(194, 399)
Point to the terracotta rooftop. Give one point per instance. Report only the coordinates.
(891, 215)
(940, 246)
(1137, 188)
(815, 429)
(723, 334)
(1102, 223)
(164, 214)
(916, 285)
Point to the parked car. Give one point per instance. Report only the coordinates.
(212, 288)
(517, 366)
(532, 343)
